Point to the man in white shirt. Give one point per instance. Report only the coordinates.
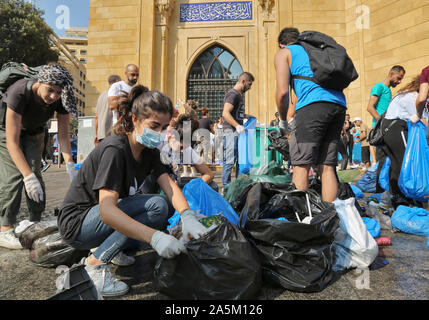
(103, 114)
(118, 88)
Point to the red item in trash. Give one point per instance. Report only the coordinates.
(383, 241)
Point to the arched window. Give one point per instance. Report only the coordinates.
(213, 73)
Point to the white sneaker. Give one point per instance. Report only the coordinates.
(8, 240)
(122, 260)
(22, 226)
(106, 284)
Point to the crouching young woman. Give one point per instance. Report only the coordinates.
(103, 208)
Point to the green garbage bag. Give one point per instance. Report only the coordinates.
(234, 188)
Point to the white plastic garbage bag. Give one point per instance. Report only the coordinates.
(354, 246)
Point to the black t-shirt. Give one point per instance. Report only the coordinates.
(234, 97)
(110, 165)
(205, 123)
(34, 115)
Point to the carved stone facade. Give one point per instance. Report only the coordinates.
(165, 38)
(164, 9)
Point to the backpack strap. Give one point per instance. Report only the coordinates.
(28, 91)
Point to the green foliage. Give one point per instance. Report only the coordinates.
(24, 34)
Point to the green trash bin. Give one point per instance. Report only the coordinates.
(260, 154)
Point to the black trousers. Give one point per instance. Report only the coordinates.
(350, 145)
(380, 157)
(394, 147)
(342, 149)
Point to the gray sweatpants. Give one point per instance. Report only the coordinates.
(11, 180)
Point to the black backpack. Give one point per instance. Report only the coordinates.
(331, 66)
(9, 74)
(375, 136)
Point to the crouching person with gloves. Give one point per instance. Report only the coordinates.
(26, 107)
(104, 208)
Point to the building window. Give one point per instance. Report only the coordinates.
(213, 73)
(83, 52)
(83, 60)
(73, 51)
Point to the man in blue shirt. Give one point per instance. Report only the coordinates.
(319, 116)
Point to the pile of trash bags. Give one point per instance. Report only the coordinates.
(220, 265)
(294, 233)
(269, 231)
(265, 229)
(47, 248)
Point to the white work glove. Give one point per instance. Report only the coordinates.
(71, 170)
(239, 129)
(191, 226)
(33, 188)
(414, 118)
(166, 245)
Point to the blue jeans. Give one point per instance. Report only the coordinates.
(230, 156)
(148, 209)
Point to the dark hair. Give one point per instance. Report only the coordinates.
(246, 76)
(193, 104)
(113, 78)
(288, 35)
(204, 111)
(142, 103)
(178, 125)
(397, 69)
(413, 85)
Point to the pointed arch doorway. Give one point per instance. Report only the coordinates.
(213, 73)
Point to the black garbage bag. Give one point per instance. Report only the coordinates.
(279, 143)
(345, 192)
(36, 231)
(315, 184)
(221, 265)
(295, 255)
(51, 251)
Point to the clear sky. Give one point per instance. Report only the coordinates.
(60, 14)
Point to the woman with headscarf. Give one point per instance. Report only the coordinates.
(29, 105)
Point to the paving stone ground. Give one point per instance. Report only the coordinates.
(404, 277)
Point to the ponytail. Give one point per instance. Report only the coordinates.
(142, 103)
(125, 115)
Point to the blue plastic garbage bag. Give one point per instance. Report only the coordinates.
(383, 179)
(411, 220)
(201, 196)
(245, 146)
(358, 192)
(414, 178)
(372, 226)
(368, 181)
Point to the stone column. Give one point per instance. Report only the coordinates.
(164, 9)
(267, 22)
